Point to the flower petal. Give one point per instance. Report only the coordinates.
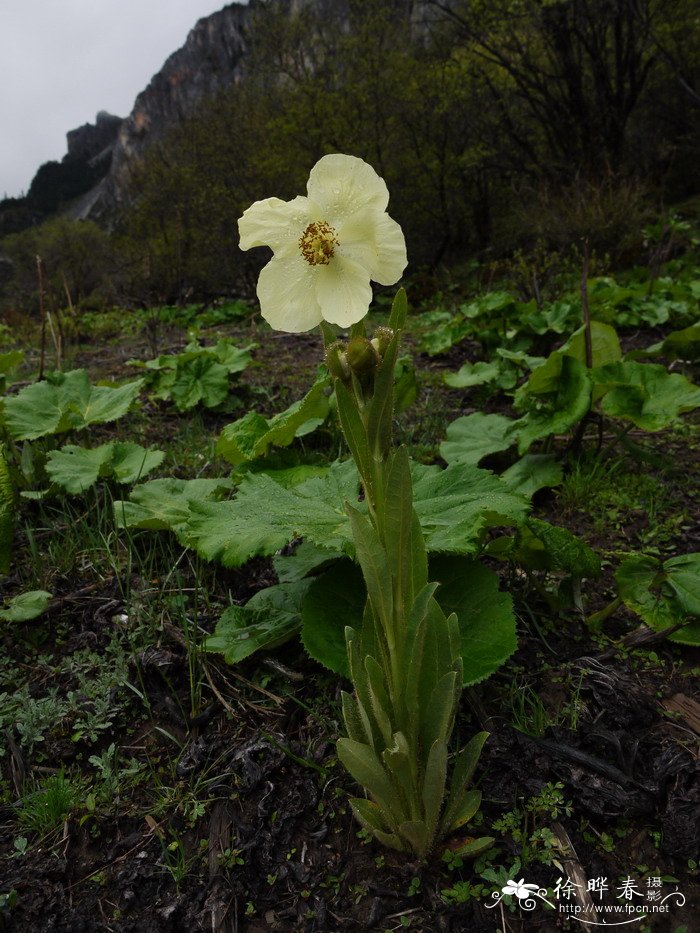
(287, 294)
(342, 185)
(377, 243)
(274, 223)
(343, 291)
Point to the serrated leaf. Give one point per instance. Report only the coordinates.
(163, 504)
(334, 600)
(75, 468)
(434, 785)
(472, 437)
(264, 516)
(252, 436)
(487, 624)
(645, 394)
(26, 606)
(270, 617)
(63, 402)
(455, 505)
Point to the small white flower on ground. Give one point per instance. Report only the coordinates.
(327, 246)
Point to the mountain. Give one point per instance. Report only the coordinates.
(210, 61)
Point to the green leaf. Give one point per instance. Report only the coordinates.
(270, 617)
(434, 785)
(334, 600)
(472, 437)
(7, 513)
(199, 380)
(370, 816)
(558, 395)
(542, 546)
(454, 506)
(64, 402)
(26, 606)
(647, 587)
(403, 537)
(163, 504)
(683, 576)
(645, 394)
(462, 773)
(473, 374)
(532, 473)
(605, 345)
(131, 462)
(467, 809)
(457, 504)
(252, 436)
(405, 384)
(364, 766)
(487, 625)
(265, 516)
(75, 469)
(305, 560)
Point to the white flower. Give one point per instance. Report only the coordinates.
(326, 246)
(521, 890)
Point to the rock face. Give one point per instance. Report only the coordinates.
(92, 141)
(210, 61)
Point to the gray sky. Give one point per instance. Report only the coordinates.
(61, 61)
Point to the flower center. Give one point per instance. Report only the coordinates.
(317, 243)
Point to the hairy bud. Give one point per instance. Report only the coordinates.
(362, 356)
(337, 361)
(381, 340)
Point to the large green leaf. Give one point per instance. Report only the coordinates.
(26, 606)
(252, 436)
(269, 618)
(265, 516)
(472, 437)
(457, 504)
(605, 345)
(75, 469)
(663, 594)
(645, 394)
(484, 614)
(334, 600)
(454, 507)
(557, 395)
(164, 504)
(64, 402)
(201, 379)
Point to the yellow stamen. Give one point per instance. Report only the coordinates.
(317, 243)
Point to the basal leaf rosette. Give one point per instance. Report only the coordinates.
(327, 246)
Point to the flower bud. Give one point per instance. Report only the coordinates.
(362, 356)
(381, 340)
(337, 361)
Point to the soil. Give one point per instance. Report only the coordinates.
(258, 835)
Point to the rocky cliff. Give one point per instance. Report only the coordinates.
(210, 61)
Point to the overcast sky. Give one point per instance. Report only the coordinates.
(61, 61)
